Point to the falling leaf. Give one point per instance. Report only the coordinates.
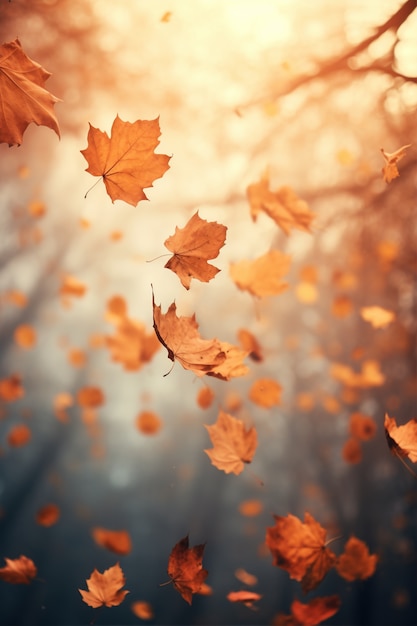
(185, 568)
(126, 161)
(205, 397)
(233, 365)
(90, 397)
(23, 98)
(180, 337)
(377, 316)
(402, 439)
(352, 451)
(265, 392)
(117, 541)
(369, 376)
(148, 423)
(244, 596)
(300, 549)
(142, 609)
(48, 515)
(362, 426)
(131, 344)
(315, 611)
(263, 276)
(11, 388)
(390, 169)
(250, 344)
(234, 444)
(250, 508)
(356, 563)
(192, 247)
(245, 577)
(283, 206)
(106, 588)
(71, 287)
(166, 16)
(18, 571)
(19, 435)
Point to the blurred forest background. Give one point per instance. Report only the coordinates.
(310, 92)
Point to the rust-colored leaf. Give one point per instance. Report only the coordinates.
(356, 563)
(315, 611)
(185, 568)
(300, 549)
(23, 97)
(250, 508)
(192, 247)
(362, 426)
(117, 541)
(90, 397)
(245, 577)
(390, 169)
(402, 440)
(19, 435)
(265, 392)
(234, 444)
(233, 365)
(250, 344)
(205, 397)
(142, 609)
(126, 160)
(48, 515)
(18, 571)
(105, 589)
(11, 388)
(244, 596)
(283, 206)
(148, 423)
(263, 276)
(131, 344)
(181, 338)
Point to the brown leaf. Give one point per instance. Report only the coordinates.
(23, 97)
(105, 589)
(117, 541)
(185, 568)
(315, 611)
(181, 338)
(193, 246)
(283, 206)
(233, 365)
(402, 439)
(249, 343)
(263, 276)
(18, 571)
(126, 161)
(356, 563)
(390, 169)
(234, 445)
(300, 548)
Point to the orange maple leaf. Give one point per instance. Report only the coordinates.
(300, 548)
(356, 563)
(18, 571)
(234, 444)
(181, 338)
(283, 206)
(315, 611)
(233, 365)
(265, 392)
(117, 541)
(249, 343)
(106, 588)
(402, 440)
(126, 160)
(390, 169)
(185, 568)
(193, 246)
(131, 345)
(23, 97)
(263, 276)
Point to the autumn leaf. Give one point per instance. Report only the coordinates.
(244, 596)
(390, 169)
(181, 338)
(402, 440)
(283, 206)
(234, 444)
(19, 435)
(23, 97)
(233, 365)
(105, 589)
(48, 515)
(25, 336)
(249, 343)
(117, 541)
(131, 344)
(205, 397)
(142, 609)
(126, 160)
(300, 549)
(193, 246)
(377, 316)
(315, 611)
(11, 388)
(262, 276)
(148, 423)
(245, 577)
(356, 563)
(90, 397)
(18, 571)
(362, 426)
(265, 392)
(185, 568)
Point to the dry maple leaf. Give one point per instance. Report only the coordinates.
(300, 548)
(390, 169)
(181, 338)
(23, 97)
(185, 568)
(193, 246)
(249, 343)
(233, 365)
(263, 276)
(126, 160)
(402, 440)
(283, 206)
(18, 571)
(356, 563)
(234, 444)
(315, 611)
(117, 541)
(106, 588)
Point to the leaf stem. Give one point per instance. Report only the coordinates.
(92, 187)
